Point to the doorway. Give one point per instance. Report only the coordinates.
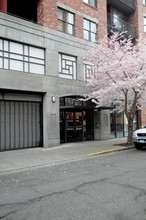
(76, 126)
(76, 119)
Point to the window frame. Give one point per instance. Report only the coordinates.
(144, 18)
(144, 2)
(67, 66)
(65, 23)
(88, 70)
(89, 2)
(21, 57)
(89, 31)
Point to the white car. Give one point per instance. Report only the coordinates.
(139, 138)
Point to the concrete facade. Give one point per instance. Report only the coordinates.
(49, 84)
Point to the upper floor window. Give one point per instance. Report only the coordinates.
(118, 20)
(67, 66)
(65, 21)
(90, 30)
(144, 2)
(93, 3)
(21, 57)
(144, 23)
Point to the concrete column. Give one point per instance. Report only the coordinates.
(96, 125)
(104, 124)
(51, 132)
(3, 5)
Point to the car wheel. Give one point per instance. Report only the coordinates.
(138, 146)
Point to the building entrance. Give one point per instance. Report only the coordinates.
(76, 123)
(74, 126)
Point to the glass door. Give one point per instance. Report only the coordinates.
(62, 126)
(69, 127)
(88, 125)
(74, 126)
(78, 126)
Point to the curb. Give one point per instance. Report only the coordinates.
(21, 169)
(110, 151)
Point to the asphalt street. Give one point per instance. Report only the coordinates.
(102, 187)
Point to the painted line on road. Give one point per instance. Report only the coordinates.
(108, 151)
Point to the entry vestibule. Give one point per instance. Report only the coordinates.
(76, 120)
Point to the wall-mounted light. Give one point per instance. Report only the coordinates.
(53, 99)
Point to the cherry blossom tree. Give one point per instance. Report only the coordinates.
(118, 76)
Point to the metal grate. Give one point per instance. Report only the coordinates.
(19, 125)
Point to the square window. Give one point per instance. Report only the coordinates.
(67, 66)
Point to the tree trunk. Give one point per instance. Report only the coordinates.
(130, 130)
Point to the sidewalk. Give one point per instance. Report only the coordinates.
(18, 160)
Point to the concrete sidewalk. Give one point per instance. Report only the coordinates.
(18, 160)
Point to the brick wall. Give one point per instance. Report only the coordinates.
(139, 21)
(47, 13)
(102, 17)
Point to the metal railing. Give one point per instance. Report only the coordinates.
(129, 2)
(118, 24)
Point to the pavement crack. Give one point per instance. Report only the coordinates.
(39, 198)
(10, 213)
(141, 193)
(90, 182)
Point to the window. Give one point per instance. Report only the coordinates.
(88, 70)
(21, 57)
(144, 23)
(90, 30)
(67, 66)
(144, 2)
(119, 19)
(93, 3)
(65, 21)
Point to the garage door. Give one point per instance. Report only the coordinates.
(20, 124)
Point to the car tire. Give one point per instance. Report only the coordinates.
(138, 146)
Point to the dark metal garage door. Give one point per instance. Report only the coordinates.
(20, 124)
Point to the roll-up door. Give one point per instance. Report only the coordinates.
(20, 123)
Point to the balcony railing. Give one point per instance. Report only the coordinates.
(127, 6)
(115, 23)
(129, 2)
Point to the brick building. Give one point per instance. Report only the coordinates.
(43, 73)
